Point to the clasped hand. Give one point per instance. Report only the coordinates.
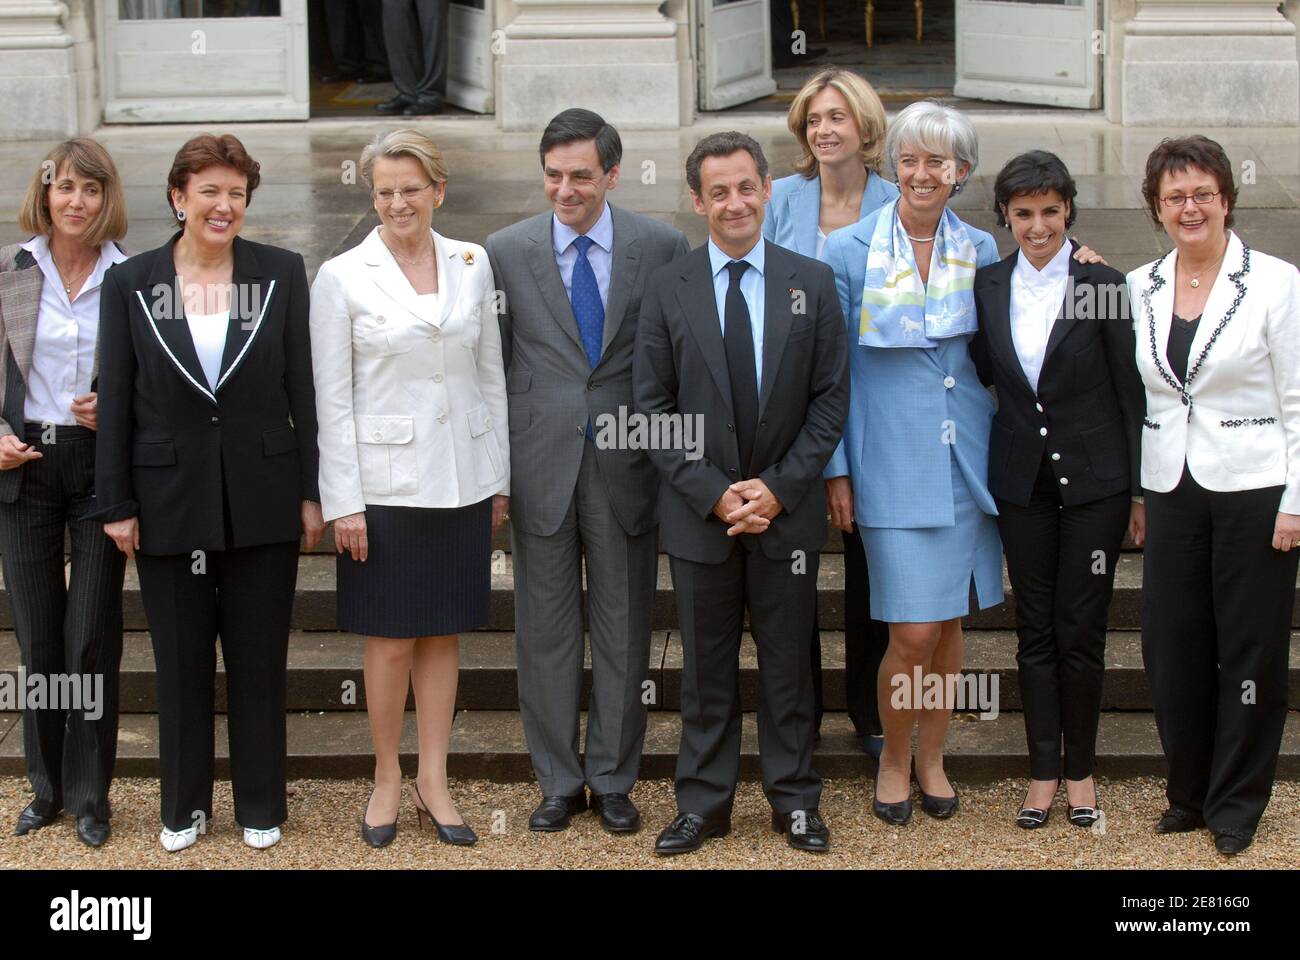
(748, 506)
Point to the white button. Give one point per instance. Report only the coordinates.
(1042, 431)
(377, 435)
(437, 378)
(1056, 456)
(1065, 481)
(382, 319)
(487, 421)
(437, 335)
(1038, 407)
(949, 382)
(442, 418)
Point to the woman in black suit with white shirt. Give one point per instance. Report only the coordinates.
(1056, 341)
(206, 474)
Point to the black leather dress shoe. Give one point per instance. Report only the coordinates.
(92, 832)
(1179, 820)
(394, 104)
(941, 808)
(553, 813)
(618, 814)
(34, 816)
(1232, 841)
(803, 829)
(422, 106)
(894, 814)
(688, 831)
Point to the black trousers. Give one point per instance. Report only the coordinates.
(711, 603)
(1061, 560)
(245, 596)
(415, 34)
(1217, 601)
(865, 643)
(65, 629)
(356, 36)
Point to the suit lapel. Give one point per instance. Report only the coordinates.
(162, 303)
(541, 261)
(20, 305)
(807, 204)
(779, 283)
(625, 261)
(1219, 301)
(451, 270)
(699, 307)
(1157, 308)
(1066, 319)
(249, 301)
(996, 317)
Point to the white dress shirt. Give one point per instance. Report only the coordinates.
(600, 254)
(63, 356)
(751, 288)
(1036, 298)
(208, 331)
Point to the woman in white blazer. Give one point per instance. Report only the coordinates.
(1218, 348)
(411, 396)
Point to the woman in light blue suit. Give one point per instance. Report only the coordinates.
(839, 123)
(915, 449)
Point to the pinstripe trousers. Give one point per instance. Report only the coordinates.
(65, 627)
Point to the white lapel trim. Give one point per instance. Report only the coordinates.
(449, 277)
(251, 337)
(168, 350)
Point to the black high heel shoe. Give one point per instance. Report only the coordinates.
(894, 814)
(1031, 818)
(380, 836)
(1084, 817)
(458, 835)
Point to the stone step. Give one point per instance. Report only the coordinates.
(325, 671)
(314, 608)
(490, 745)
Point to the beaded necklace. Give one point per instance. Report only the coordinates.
(1157, 282)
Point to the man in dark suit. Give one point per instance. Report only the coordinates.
(572, 279)
(746, 340)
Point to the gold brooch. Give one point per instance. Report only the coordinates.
(468, 256)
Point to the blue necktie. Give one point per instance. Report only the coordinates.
(584, 293)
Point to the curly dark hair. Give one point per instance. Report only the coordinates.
(1174, 155)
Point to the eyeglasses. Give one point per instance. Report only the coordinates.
(408, 194)
(1200, 198)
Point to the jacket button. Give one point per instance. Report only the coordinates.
(591, 386)
(487, 421)
(381, 319)
(1042, 431)
(1056, 456)
(762, 423)
(581, 430)
(442, 418)
(376, 436)
(733, 471)
(1065, 481)
(436, 336)
(731, 427)
(1038, 407)
(949, 382)
(215, 421)
(437, 378)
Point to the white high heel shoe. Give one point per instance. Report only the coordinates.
(175, 840)
(261, 839)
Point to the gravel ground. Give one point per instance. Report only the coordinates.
(324, 820)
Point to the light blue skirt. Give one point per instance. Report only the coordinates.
(925, 575)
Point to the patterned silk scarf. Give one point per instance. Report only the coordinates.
(898, 310)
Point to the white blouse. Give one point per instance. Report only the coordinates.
(1036, 298)
(208, 330)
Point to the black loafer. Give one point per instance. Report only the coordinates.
(804, 830)
(1232, 841)
(618, 814)
(1179, 820)
(422, 106)
(92, 832)
(688, 831)
(35, 815)
(395, 104)
(553, 813)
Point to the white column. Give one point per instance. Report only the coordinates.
(1203, 63)
(616, 57)
(38, 86)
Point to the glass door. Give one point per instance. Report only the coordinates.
(1030, 51)
(734, 53)
(186, 61)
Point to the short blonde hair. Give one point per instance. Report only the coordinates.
(864, 105)
(404, 143)
(90, 160)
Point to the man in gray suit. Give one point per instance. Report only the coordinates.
(572, 280)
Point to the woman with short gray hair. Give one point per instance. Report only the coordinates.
(415, 468)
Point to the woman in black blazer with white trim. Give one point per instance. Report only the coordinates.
(206, 473)
(1056, 340)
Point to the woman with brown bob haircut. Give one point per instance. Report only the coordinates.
(206, 475)
(49, 324)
